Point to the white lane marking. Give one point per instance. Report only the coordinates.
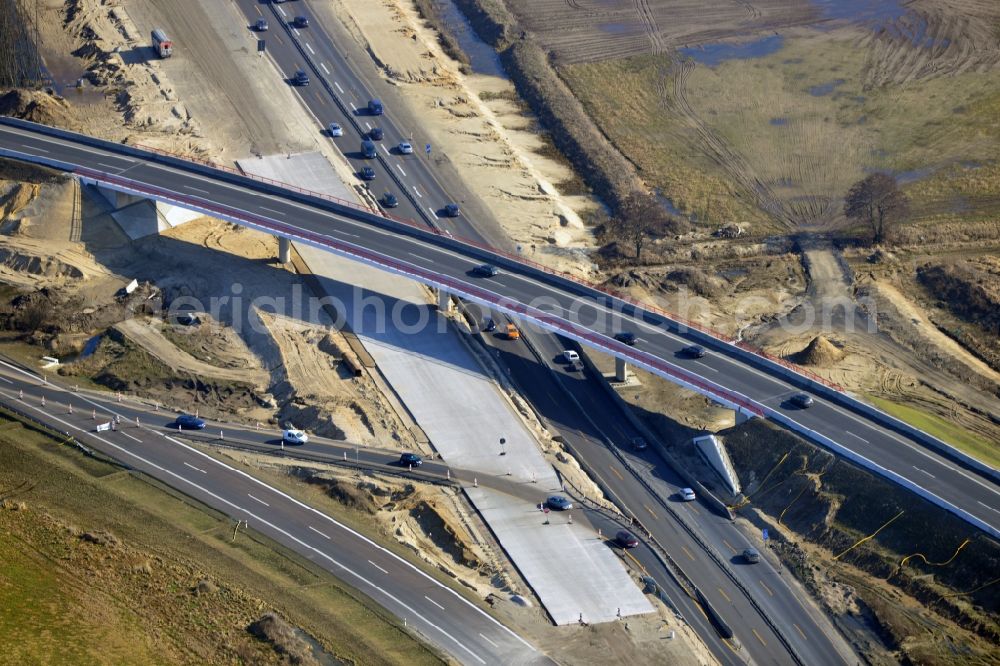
(323, 65)
(295, 31)
(4, 379)
(197, 469)
(196, 189)
(401, 170)
(386, 150)
(433, 213)
(417, 192)
(368, 125)
(310, 48)
(34, 148)
(342, 92)
(344, 233)
(488, 641)
(318, 532)
(353, 108)
(924, 471)
(848, 432)
(282, 11)
(414, 254)
(994, 509)
(108, 166)
(132, 438)
(378, 567)
(707, 367)
(274, 527)
(433, 602)
(257, 500)
(277, 212)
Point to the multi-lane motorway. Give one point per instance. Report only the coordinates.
(519, 289)
(445, 618)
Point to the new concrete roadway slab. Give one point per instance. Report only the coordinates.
(465, 416)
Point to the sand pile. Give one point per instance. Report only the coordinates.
(820, 352)
(37, 106)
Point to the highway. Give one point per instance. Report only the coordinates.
(520, 289)
(443, 617)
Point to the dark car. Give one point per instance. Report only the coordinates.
(452, 210)
(626, 338)
(301, 21)
(626, 539)
(389, 200)
(490, 326)
(639, 444)
(695, 351)
(376, 134)
(751, 556)
(368, 149)
(411, 460)
(260, 25)
(802, 400)
(485, 270)
(189, 422)
(367, 173)
(559, 503)
(301, 78)
(375, 107)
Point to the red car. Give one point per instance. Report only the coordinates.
(626, 539)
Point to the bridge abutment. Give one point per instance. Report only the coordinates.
(284, 250)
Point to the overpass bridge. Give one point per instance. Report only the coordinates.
(748, 382)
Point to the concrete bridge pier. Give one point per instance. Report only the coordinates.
(621, 370)
(284, 250)
(444, 300)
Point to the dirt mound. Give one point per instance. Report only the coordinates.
(820, 352)
(37, 106)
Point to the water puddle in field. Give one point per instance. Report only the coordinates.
(824, 89)
(779, 122)
(715, 54)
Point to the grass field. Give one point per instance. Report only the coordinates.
(136, 600)
(977, 447)
(778, 140)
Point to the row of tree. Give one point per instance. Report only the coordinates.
(875, 202)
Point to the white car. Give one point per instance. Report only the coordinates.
(405, 148)
(570, 356)
(292, 436)
(336, 129)
(687, 494)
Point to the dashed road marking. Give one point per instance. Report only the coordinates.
(433, 213)
(729, 545)
(196, 189)
(318, 532)
(384, 149)
(326, 71)
(994, 509)
(282, 11)
(724, 595)
(655, 517)
(277, 212)
(617, 473)
(353, 108)
(762, 642)
(433, 602)
(417, 192)
(798, 629)
(257, 500)
(377, 567)
(310, 48)
(197, 469)
(848, 432)
(136, 439)
(401, 170)
(342, 92)
(688, 553)
(488, 641)
(924, 471)
(762, 584)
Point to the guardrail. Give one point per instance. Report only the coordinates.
(790, 372)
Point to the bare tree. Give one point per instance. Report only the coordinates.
(877, 202)
(639, 218)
